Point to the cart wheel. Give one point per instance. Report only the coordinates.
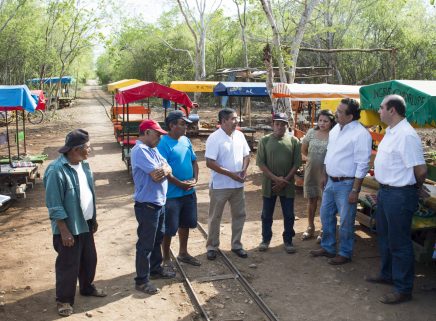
(3, 119)
(36, 117)
(5, 206)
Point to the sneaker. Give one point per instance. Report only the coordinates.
(263, 246)
(289, 248)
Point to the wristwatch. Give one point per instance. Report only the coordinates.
(355, 190)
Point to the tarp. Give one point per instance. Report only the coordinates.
(242, 89)
(420, 97)
(145, 89)
(314, 92)
(121, 83)
(39, 97)
(13, 97)
(53, 80)
(194, 86)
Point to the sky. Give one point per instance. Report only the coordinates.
(150, 10)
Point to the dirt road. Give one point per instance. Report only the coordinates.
(296, 287)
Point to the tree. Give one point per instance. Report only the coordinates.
(198, 26)
(12, 14)
(266, 6)
(299, 33)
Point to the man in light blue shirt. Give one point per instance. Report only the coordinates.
(181, 205)
(150, 171)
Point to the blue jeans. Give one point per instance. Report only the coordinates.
(335, 200)
(180, 212)
(150, 231)
(288, 218)
(395, 207)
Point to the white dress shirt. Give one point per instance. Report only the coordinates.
(398, 152)
(348, 151)
(228, 152)
(86, 198)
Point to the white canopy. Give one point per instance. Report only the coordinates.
(313, 92)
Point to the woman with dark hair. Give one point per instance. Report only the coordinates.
(314, 147)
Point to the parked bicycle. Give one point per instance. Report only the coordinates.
(34, 118)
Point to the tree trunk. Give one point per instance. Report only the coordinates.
(296, 42)
(266, 5)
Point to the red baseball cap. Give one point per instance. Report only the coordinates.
(151, 124)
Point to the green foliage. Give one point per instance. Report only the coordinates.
(53, 37)
(45, 38)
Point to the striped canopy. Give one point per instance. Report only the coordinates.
(314, 92)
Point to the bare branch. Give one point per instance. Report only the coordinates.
(179, 49)
(14, 13)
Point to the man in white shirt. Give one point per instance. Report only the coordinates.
(400, 169)
(227, 155)
(346, 165)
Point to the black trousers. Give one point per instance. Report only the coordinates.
(72, 263)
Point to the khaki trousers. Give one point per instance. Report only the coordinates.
(218, 198)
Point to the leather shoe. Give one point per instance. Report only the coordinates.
(321, 252)
(395, 297)
(339, 260)
(211, 255)
(378, 279)
(240, 252)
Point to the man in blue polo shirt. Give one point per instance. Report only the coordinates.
(150, 171)
(181, 205)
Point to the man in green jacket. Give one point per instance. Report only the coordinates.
(70, 199)
(278, 157)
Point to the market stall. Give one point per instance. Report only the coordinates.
(313, 93)
(50, 84)
(17, 173)
(143, 90)
(420, 97)
(194, 87)
(239, 90)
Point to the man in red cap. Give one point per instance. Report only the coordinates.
(150, 171)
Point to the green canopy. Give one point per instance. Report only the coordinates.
(420, 97)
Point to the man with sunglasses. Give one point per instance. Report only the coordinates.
(70, 199)
(346, 165)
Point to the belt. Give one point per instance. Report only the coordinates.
(397, 187)
(340, 179)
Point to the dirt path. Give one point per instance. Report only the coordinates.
(296, 287)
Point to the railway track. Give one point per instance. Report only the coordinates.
(106, 104)
(221, 273)
(217, 273)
